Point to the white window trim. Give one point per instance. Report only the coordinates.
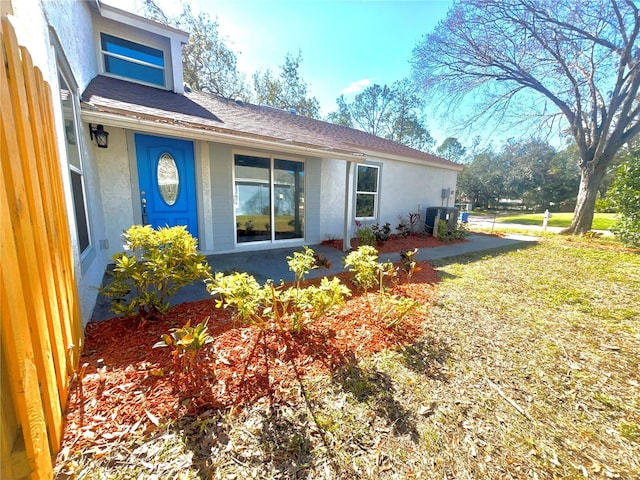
(272, 158)
(142, 40)
(64, 70)
(376, 195)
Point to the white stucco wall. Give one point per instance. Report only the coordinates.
(332, 198)
(404, 187)
(114, 172)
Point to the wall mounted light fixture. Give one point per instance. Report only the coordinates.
(102, 137)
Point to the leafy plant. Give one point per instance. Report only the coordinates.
(403, 228)
(242, 291)
(301, 263)
(310, 303)
(269, 305)
(625, 197)
(447, 234)
(408, 227)
(399, 308)
(414, 219)
(381, 233)
(363, 262)
(365, 235)
(153, 267)
(186, 342)
(409, 264)
(368, 273)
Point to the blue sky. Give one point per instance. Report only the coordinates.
(346, 45)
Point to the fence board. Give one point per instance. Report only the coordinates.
(36, 166)
(40, 323)
(21, 178)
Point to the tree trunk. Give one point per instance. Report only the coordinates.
(590, 182)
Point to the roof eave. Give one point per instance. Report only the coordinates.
(161, 125)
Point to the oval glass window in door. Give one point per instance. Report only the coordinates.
(168, 178)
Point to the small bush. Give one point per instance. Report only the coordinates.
(270, 305)
(365, 236)
(409, 264)
(381, 233)
(187, 342)
(447, 234)
(403, 228)
(369, 273)
(153, 267)
(363, 262)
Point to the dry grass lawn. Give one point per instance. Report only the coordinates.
(527, 367)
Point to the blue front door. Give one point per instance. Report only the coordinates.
(166, 177)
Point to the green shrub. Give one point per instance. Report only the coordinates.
(403, 228)
(269, 305)
(187, 342)
(381, 233)
(363, 262)
(409, 264)
(447, 234)
(365, 236)
(153, 267)
(625, 198)
(369, 273)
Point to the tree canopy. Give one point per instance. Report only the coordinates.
(575, 64)
(287, 90)
(208, 63)
(531, 171)
(394, 112)
(451, 149)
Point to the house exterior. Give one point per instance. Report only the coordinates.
(239, 176)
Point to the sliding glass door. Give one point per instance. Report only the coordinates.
(269, 199)
(288, 191)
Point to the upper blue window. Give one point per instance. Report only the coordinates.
(125, 58)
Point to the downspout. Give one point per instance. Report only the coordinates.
(348, 201)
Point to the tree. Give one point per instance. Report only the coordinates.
(559, 60)
(209, 65)
(625, 196)
(395, 113)
(484, 180)
(451, 149)
(288, 90)
(343, 115)
(529, 164)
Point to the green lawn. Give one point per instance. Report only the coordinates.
(601, 221)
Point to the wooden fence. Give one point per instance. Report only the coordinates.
(40, 315)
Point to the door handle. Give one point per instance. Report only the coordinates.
(145, 217)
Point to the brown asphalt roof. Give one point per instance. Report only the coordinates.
(212, 112)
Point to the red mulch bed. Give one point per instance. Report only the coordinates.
(144, 386)
(396, 243)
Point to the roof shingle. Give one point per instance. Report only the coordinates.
(212, 112)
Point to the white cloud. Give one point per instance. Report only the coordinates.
(356, 87)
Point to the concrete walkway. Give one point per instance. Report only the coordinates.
(272, 264)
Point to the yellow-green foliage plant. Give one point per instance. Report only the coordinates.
(154, 265)
(186, 342)
(369, 273)
(270, 305)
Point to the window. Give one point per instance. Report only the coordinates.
(127, 59)
(69, 102)
(269, 198)
(367, 185)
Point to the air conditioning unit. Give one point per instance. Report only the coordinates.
(448, 214)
